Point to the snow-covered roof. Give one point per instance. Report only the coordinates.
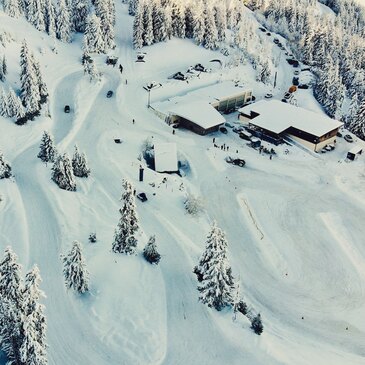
(196, 105)
(199, 112)
(356, 149)
(276, 116)
(165, 157)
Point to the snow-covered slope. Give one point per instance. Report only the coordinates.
(294, 223)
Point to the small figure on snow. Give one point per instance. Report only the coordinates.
(121, 69)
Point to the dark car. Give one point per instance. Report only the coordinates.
(223, 130)
(236, 161)
(268, 33)
(276, 40)
(268, 96)
(142, 197)
(179, 76)
(295, 81)
(109, 94)
(67, 109)
(262, 29)
(295, 64)
(348, 138)
(303, 86)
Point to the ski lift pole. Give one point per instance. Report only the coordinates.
(149, 98)
(276, 74)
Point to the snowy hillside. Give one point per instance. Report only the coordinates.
(294, 223)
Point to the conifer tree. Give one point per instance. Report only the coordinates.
(93, 38)
(50, 18)
(138, 28)
(62, 173)
(150, 252)
(159, 22)
(63, 22)
(124, 238)
(198, 23)
(256, 324)
(4, 67)
(4, 107)
(132, 7)
(216, 283)
(43, 91)
(15, 107)
(211, 34)
(104, 11)
(5, 170)
(221, 21)
(10, 278)
(189, 20)
(79, 164)
(74, 269)
(48, 151)
(11, 8)
(178, 20)
(30, 94)
(80, 11)
(357, 125)
(33, 348)
(147, 24)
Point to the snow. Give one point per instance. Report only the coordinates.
(309, 210)
(165, 157)
(277, 117)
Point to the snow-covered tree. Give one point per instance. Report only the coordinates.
(198, 22)
(74, 269)
(63, 22)
(4, 107)
(132, 8)
(30, 94)
(193, 204)
(257, 325)
(178, 20)
(11, 8)
(357, 125)
(43, 91)
(91, 70)
(62, 173)
(150, 252)
(93, 37)
(148, 35)
(33, 348)
(125, 240)
(80, 11)
(211, 33)
(216, 283)
(15, 107)
(79, 164)
(10, 278)
(35, 13)
(138, 29)
(50, 18)
(3, 69)
(48, 151)
(5, 168)
(159, 22)
(221, 21)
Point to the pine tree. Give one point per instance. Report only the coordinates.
(79, 164)
(105, 14)
(3, 69)
(91, 69)
(221, 21)
(33, 348)
(133, 5)
(214, 273)
(189, 20)
(178, 20)
(43, 91)
(15, 107)
(147, 24)
(29, 83)
(211, 34)
(74, 269)
(93, 38)
(198, 23)
(4, 107)
(256, 324)
(357, 125)
(10, 331)
(150, 252)
(124, 238)
(138, 28)
(48, 151)
(159, 22)
(63, 22)
(80, 11)
(10, 278)
(50, 18)
(62, 173)
(5, 170)
(11, 8)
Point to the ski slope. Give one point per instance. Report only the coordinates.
(294, 224)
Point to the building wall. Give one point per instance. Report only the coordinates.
(233, 102)
(243, 118)
(187, 124)
(312, 146)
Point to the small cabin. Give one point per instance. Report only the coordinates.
(354, 153)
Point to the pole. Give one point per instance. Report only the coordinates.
(149, 98)
(276, 74)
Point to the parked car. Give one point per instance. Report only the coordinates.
(236, 161)
(328, 148)
(339, 134)
(284, 100)
(303, 86)
(142, 197)
(109, 94)
(268, 34)
(237, 129)
(295, 81)
(229, 125)
(268, 96)
(276, 40)
(348, 138)
(295, 64)
(296, 72)
(287, 95)
(223, 130)
(262, 29)
(245, 135)
(305, 69)
(67, 109)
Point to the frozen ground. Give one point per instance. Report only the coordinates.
(294, 224)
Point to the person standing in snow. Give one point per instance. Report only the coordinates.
(121, 69)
